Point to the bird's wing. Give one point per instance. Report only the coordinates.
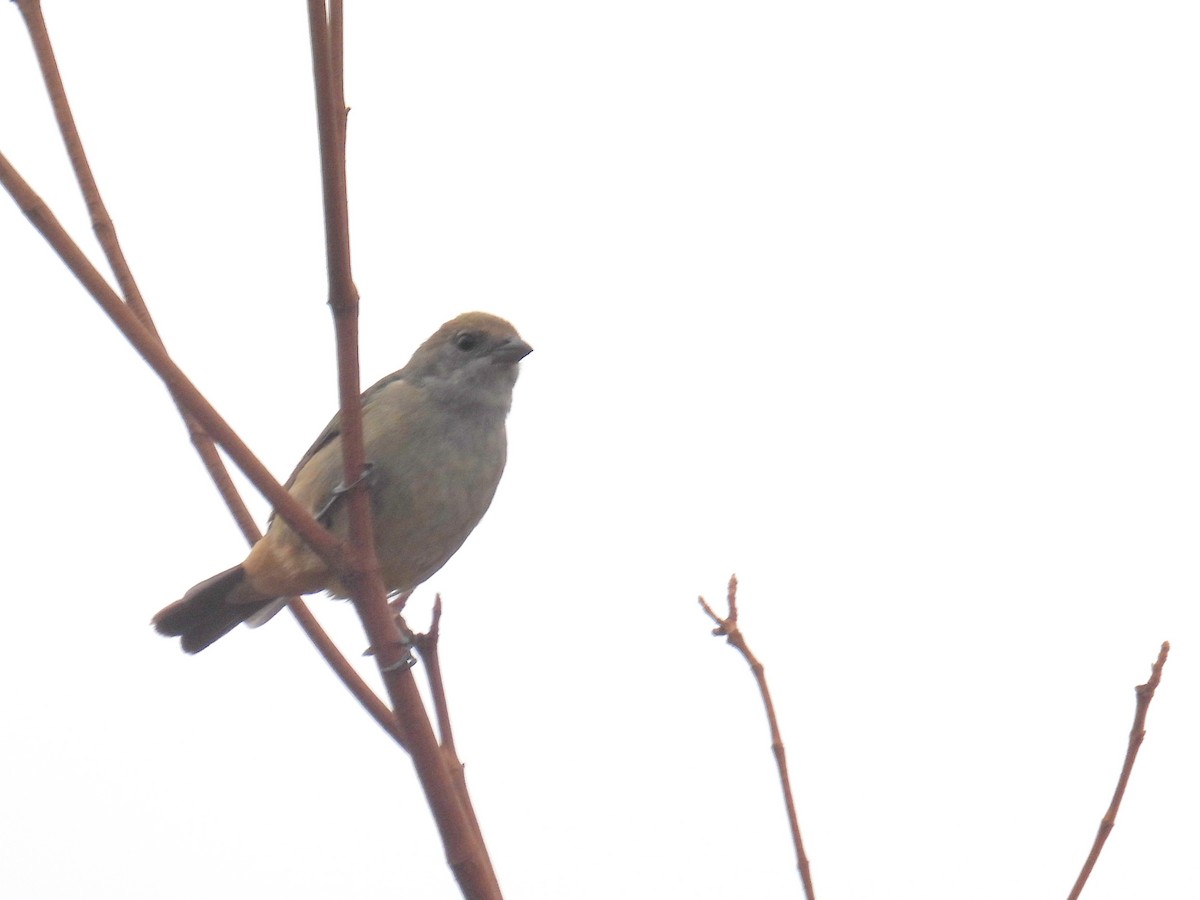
(334, 429)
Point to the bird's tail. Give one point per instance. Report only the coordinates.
(211, 609)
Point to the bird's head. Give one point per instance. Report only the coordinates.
(472, 360)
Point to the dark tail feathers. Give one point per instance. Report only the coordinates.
(210, 610)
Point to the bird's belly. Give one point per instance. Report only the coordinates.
(422, 516)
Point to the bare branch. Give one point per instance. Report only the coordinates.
(106, 235)
(390, 645)
(326, 545)
(728, 628)
(1145, 693)
(355, 562)
(427, 647)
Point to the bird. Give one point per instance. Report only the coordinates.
(435, 446)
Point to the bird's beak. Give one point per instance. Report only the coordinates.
(512, 351)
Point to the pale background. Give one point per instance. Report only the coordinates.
(889, 308)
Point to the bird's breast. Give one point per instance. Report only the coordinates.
(430, 492)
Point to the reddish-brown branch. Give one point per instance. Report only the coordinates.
(191, 400)
(427, 647)
(1145, 693)
(728, 628)
(363, 575)
(102, 225)
(443, 783)
(337, 70)
(362, 692)
(323, 543)
(106, 235)
(389, 644)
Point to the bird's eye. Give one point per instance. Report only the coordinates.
(467, 340)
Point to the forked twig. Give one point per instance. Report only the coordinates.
(1145, 693)
(728, 627)
(427, 648)
(354, 561)
(106, 235)
(324, 544)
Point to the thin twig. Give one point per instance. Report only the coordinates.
(728, 628)
(1145, 693)
(152, 351)
(106, 235)
(375, 707)
(102, 225)
(427, 647)
(324, 544)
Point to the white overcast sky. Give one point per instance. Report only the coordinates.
(891, 308)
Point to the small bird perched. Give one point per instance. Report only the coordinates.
(435, 448)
